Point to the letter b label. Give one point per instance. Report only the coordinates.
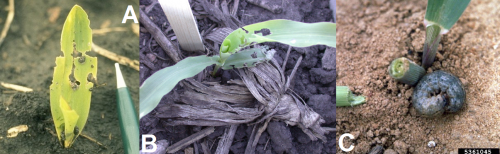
(145, 143)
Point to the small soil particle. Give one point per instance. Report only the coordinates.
(400, 146)
(390, 151)
(369, 134)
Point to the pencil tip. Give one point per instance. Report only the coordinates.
(120, 83)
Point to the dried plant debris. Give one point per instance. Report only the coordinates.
(217, 35)
(266, 82)
(249, 57)
(213, 104)
(203, 8)
(16, 87)
(14, 131)
(273, 6)
(226, 105)
(234, 104)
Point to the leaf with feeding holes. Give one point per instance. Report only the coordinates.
(74, 74)
(163, 81)
(289, 32)
(248, 58)
(297, 34)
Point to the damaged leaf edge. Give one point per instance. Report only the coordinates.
(70, 97)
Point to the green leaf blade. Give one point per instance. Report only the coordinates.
(297, 34)
(70, 91)
(163, 81)
(445, 12)
(289, 32)
(81, 99)
(248, 58)
(77, 19)
(294, 33)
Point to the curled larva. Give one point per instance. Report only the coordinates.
(438, 92)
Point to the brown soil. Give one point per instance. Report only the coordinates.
(373, 33)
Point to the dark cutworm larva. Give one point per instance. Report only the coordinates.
(438, 92)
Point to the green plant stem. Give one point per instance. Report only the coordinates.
(344, 97)
(432, 38)
(405, 71)
(216, 68)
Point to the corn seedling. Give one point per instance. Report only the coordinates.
(72, 83)
(231, 55)
(440, 16)
(406, 71)
(345, 97)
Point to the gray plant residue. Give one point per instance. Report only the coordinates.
(438, 92)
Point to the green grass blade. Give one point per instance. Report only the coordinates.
(445, 12)
(297, 34)
(163, 81)
(289, 32)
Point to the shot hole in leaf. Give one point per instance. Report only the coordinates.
(264, 32)
(254, 55)
(72, 77)
(91, 78)
(81, 59)
(75, 85)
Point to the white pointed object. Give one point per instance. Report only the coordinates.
(120, 83)
(183, 23)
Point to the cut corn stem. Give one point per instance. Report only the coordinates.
(345, 97)
(405, 71)
(432, 38)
